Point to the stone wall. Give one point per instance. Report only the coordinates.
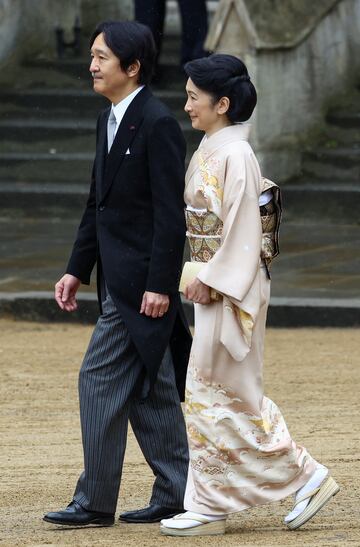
(92, 12)
(295, 78)
(9, 26)
(27, 27)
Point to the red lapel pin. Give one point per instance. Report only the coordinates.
(132, 127)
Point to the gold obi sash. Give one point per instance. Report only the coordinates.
(270, 223)
(204, 229)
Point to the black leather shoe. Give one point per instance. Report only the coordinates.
(153, 513)
(75, 515)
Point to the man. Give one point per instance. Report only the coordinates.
(133, 228)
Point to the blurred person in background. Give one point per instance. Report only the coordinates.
(194, 22)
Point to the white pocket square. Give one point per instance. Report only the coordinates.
(127, 151)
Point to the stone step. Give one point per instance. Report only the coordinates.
(56, 198)
(33, 129)
(53, 131)
(57, 146)
(317, 259)
(39, 100)
(44, 167)
(283, 311)
(312, 201)
(54, 145)
(339, 157)
(338, 164)
(316, 200)
(171, 50)
(61, 167)
(78, 69)
(71, 102)
(344, 118)
(336, 136)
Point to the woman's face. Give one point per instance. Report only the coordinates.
(204, 114)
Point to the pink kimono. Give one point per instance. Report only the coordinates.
(241, 452)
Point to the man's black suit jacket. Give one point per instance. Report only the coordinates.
(134, 228)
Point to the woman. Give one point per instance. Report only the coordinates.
(241, 453)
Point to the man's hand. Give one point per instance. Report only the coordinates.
(65, 292)
(154, 304)
(198, 292)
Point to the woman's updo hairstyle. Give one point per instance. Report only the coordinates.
(223, 75)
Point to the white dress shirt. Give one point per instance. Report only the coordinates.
(120, 108)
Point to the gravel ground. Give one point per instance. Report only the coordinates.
(312, 374)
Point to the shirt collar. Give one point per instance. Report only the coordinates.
(120, 108)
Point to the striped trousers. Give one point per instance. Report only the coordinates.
(109, 381)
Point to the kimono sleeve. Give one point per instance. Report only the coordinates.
(234, 267)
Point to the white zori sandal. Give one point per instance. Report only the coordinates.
(193, 524)
(311, 498)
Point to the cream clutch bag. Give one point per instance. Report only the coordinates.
(190, 271)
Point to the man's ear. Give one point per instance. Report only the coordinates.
(223, 105)
(133, 69)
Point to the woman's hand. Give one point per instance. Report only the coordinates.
(198, 292)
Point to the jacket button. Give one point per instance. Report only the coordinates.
(101, 207)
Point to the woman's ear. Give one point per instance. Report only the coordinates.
(223, 105)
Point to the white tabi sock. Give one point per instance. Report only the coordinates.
(314, 482)
(191, 520)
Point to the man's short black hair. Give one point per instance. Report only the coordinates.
(129, 41)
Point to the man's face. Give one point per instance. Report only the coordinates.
(109, 78)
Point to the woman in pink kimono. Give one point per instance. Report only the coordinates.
(241, 452)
